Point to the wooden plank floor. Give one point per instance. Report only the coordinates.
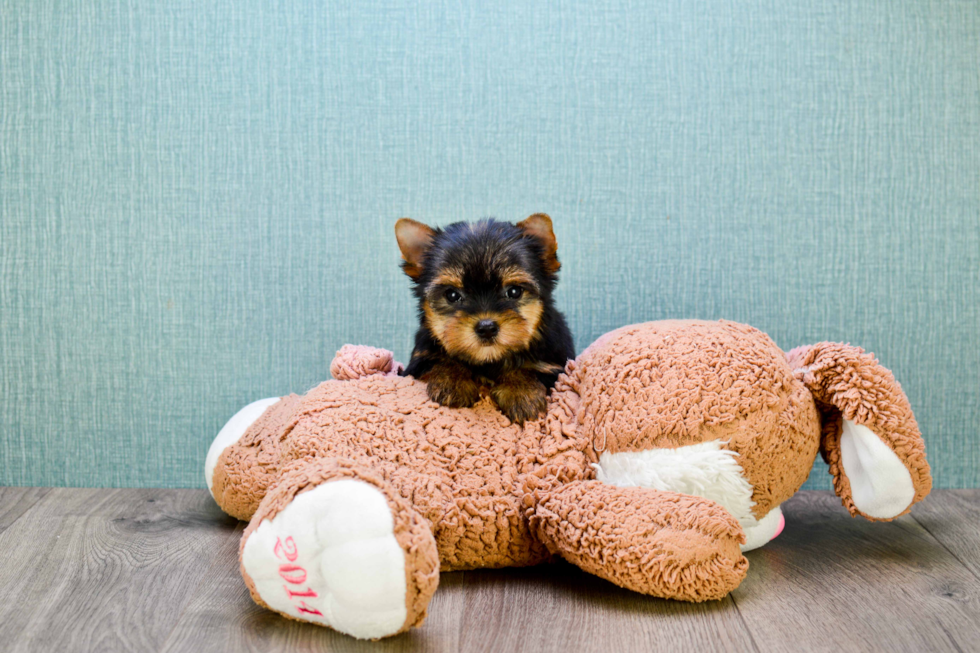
(157, 570)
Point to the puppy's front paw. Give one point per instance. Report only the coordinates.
(520, 396)
(452, 385)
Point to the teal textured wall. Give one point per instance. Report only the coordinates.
(197, 198)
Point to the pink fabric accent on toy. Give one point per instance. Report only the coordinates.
(358, 361)
(779, 529)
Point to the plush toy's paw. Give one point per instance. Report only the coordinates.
(520, 396)
(231, 433)
(450, 384)
(665, 544)
(339, 556)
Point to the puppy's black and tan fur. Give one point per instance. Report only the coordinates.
(486, 312)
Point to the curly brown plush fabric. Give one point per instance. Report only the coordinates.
(246, 471)
(491, 493)
(659, 543)
(693, 382)
(848, 383)
(460, 468)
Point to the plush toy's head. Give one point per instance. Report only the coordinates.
(716, 409)
(704, 408)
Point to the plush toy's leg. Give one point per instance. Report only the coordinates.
(333, 544)
(243, 461)
(660, 543)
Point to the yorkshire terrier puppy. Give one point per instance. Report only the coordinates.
(486, 313)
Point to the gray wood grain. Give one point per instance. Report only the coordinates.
(831, 582)
(15, 501)
(548, 608)
(572, 610)
(104, 570)
(953, 518)
(221, 617)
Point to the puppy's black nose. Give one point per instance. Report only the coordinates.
(487, 329)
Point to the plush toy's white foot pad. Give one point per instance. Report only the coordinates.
(331, 557)
(232, 432)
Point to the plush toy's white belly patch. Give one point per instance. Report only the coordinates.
(704, 470)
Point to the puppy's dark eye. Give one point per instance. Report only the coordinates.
(515, 292)
(453, 296)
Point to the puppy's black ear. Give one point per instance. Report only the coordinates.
(414, 239)
(539, 226)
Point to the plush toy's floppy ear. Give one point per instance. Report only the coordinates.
(869, 436)
(413, 239)
(539, 226)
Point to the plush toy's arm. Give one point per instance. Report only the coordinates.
(870, 437)
(356, 361)
(660, 543)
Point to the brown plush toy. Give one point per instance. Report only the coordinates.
(665, 453)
